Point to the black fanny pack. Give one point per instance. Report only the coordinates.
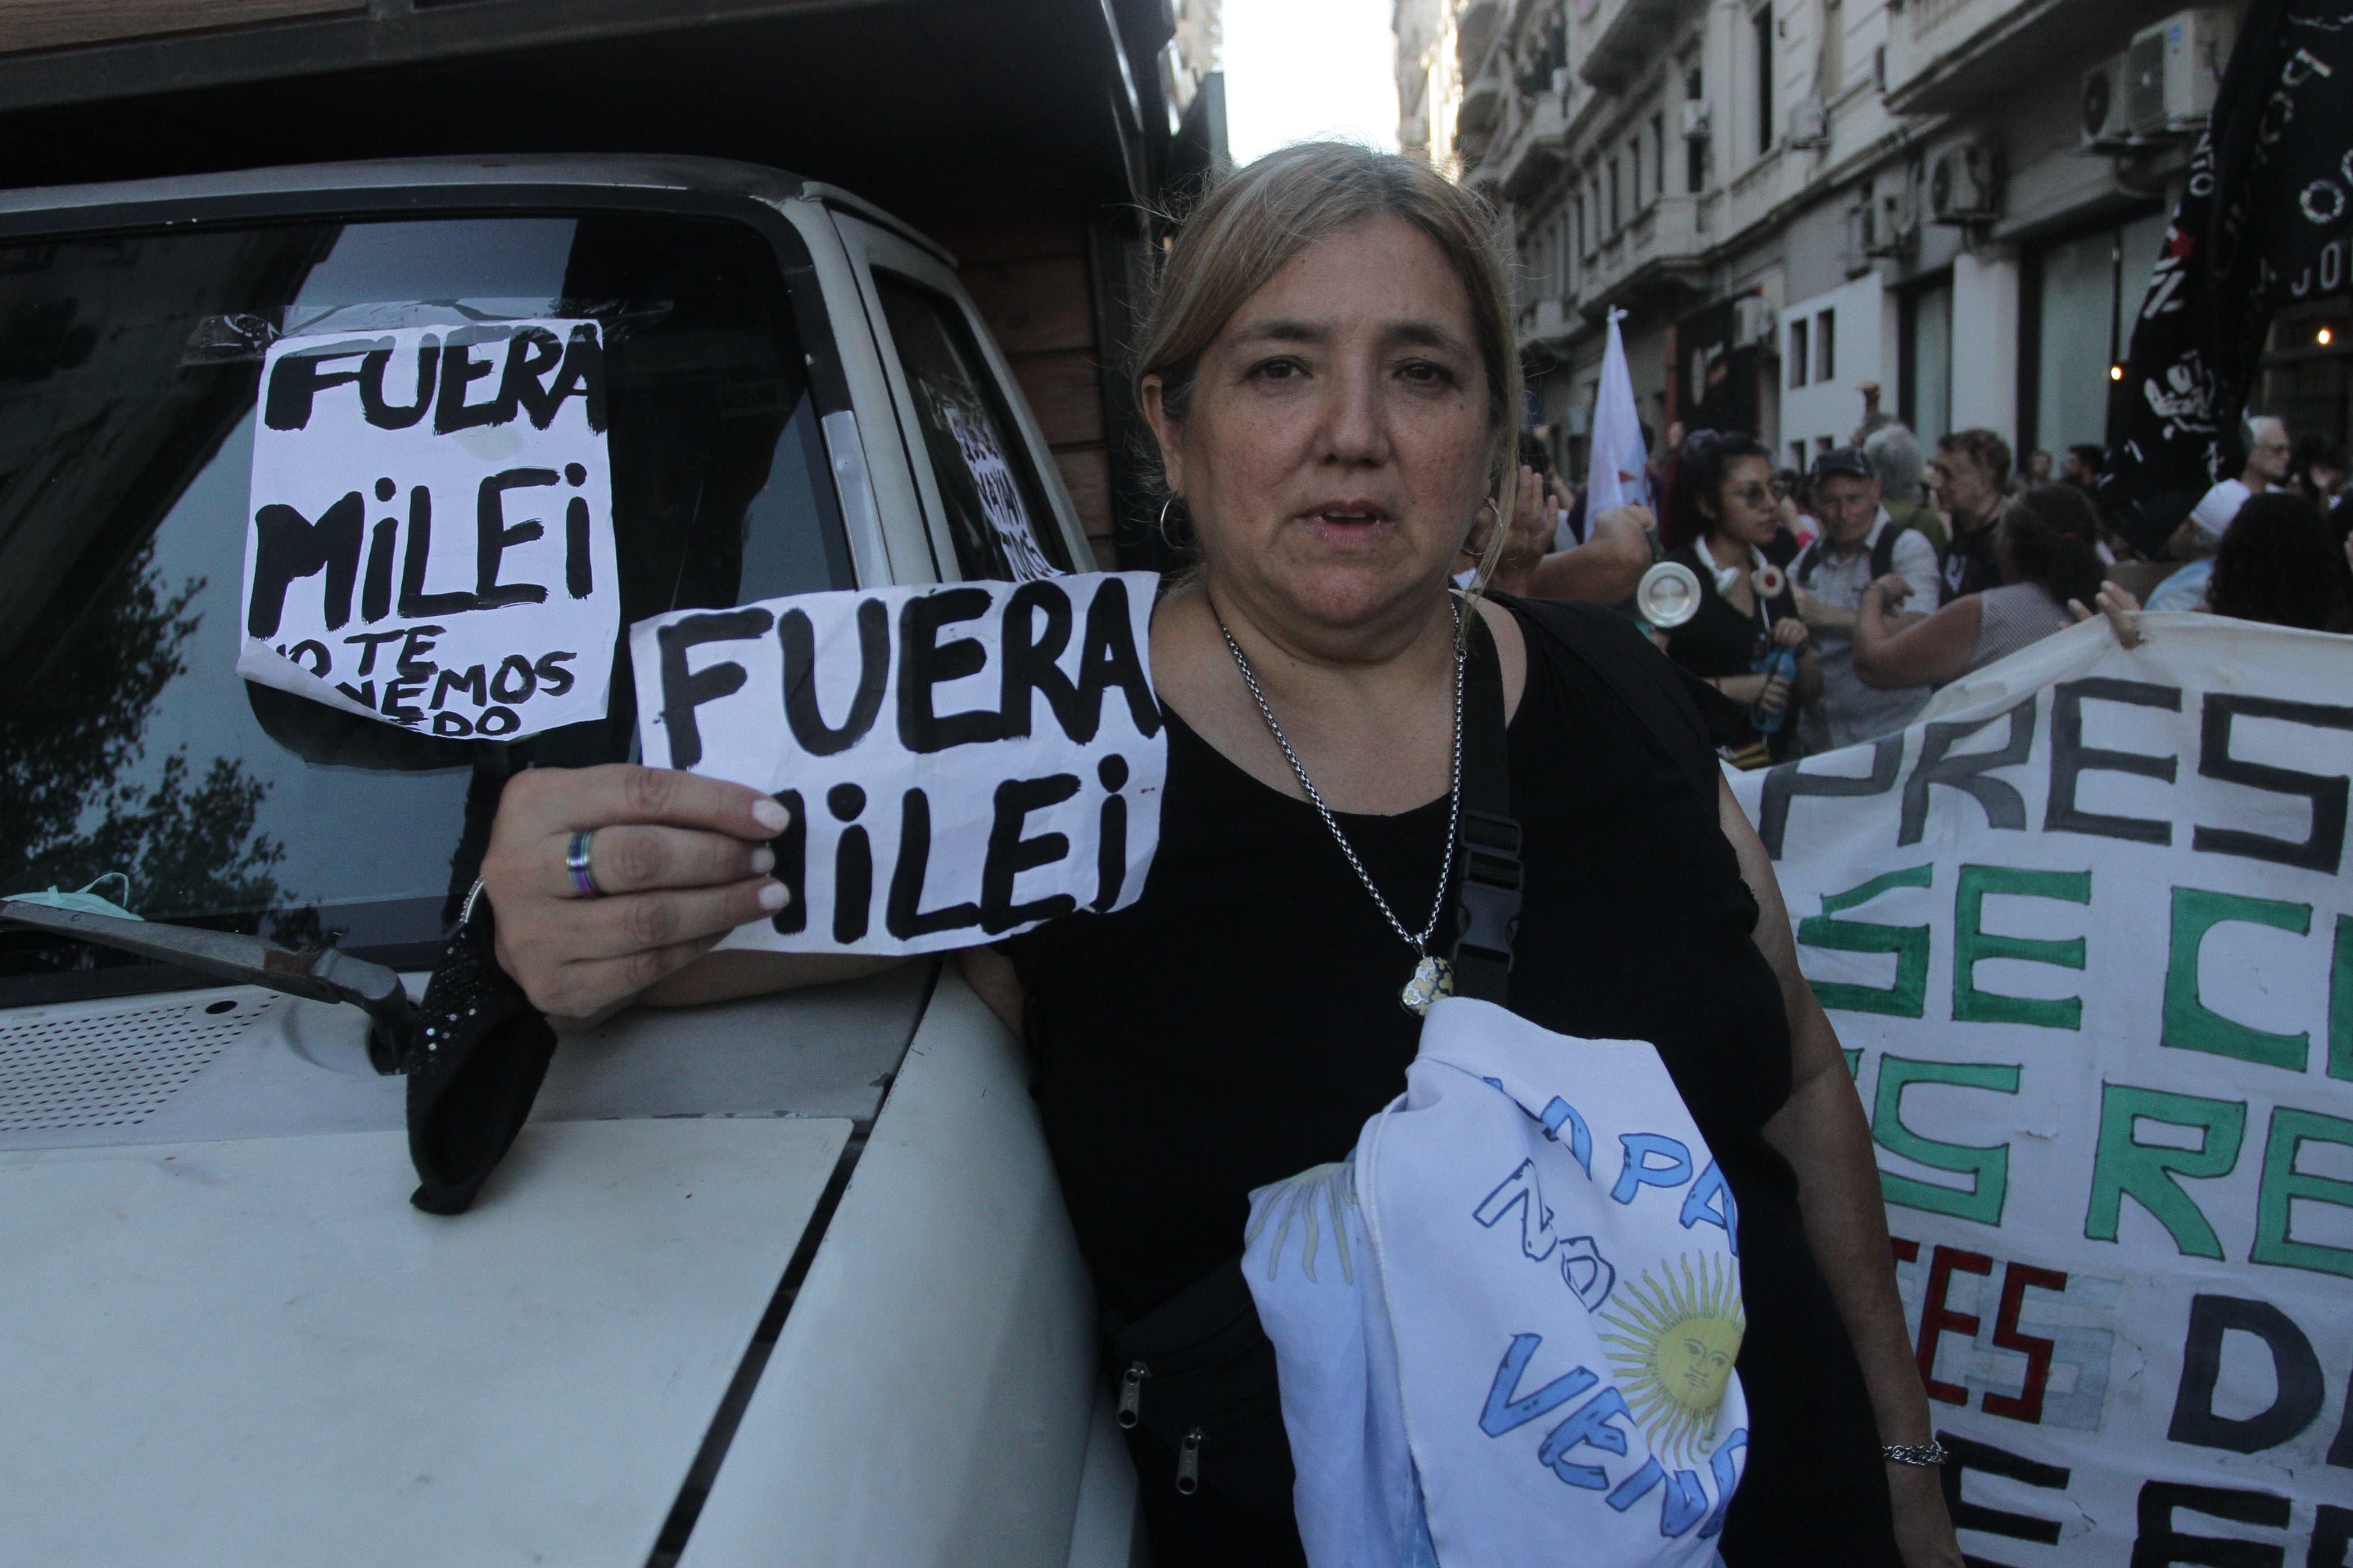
(1196, 1373)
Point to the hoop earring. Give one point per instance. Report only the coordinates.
(1161, 526)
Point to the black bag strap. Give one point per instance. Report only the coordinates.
(1883, 554)
(1487, 860)
(1682, 714)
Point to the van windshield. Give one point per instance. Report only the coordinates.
(132, 756)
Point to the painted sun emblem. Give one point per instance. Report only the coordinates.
(1675, 1338)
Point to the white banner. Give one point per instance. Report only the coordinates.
(958, 763)
(430, 533)
(2086, 931)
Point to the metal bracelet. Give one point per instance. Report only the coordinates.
(1917, 1453)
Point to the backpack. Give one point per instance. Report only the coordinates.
(1883, 554)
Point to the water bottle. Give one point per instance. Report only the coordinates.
(1782, 662)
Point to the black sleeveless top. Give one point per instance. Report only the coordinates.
(1239, 1022)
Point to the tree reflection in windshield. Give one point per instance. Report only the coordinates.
(186, 841)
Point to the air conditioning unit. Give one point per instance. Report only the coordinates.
(1892, 227)
(1809, 123)
(2173, 70)
(1578, 419)
(1965, 185)
(2107, 122)
(1755, 322)
(1697, 119)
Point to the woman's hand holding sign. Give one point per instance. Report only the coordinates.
(929, 769)
(679, 860)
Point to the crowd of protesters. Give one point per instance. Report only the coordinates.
(1833, 603)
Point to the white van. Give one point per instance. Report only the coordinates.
(784, 1281)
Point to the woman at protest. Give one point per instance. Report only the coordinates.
(2048, 552)
(1330, 373)
(1722, 515)
(2281, 564)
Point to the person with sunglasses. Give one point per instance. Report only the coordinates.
(1721, 518)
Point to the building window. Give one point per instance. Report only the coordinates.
(1613, 196)
(1577, 219)
(1694, 147)
(1659, 154)
(1762, 24)
(1825, 346)
(1798, 357)
(1634, 175)
(1925, 380)
(2085, 293)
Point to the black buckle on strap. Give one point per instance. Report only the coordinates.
(1489, 891)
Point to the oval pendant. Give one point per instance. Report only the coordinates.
(1433, 977)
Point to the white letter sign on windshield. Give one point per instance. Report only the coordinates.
(430, 535)
(958, 763)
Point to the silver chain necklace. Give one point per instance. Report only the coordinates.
(1432, 976)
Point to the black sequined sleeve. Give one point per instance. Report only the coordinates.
(478, 1068)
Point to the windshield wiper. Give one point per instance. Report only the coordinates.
(322, 974)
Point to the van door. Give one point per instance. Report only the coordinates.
(991, 494)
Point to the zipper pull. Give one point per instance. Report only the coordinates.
(1189, 1463)
(1131, 1393)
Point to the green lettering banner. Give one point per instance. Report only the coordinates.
(2086, 933)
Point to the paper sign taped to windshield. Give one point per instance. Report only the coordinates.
(429, 540)
(957, 763)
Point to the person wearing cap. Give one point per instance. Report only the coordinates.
(2047, 548)
(1861, 542)
(2196, 540)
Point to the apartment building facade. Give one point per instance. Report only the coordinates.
(1958, 200)
(1429, 80)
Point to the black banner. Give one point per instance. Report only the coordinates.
(2263, 223)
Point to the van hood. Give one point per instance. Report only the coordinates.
(224, 1330)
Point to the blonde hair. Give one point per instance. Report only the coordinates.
(1246, 226)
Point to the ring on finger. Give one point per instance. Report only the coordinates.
(576, 860)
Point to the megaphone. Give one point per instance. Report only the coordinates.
(1668, 594)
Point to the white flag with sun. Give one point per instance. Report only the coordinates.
(1511, 1321)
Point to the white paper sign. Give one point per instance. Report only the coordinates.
(1000, 497)
(2086, 932)
(959, 763)
(430, 533)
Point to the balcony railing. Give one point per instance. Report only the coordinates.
(1666, 241)
(1483, 105)
(1946, 55)
(1530, 151)
(1474, 30)
(1548, 320)
(1625, 38)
